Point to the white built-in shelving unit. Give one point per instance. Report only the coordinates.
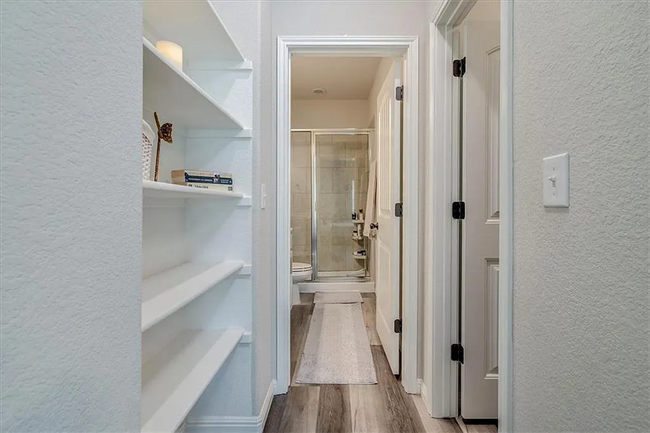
(196, 287)
(167, 292)
(153, 190)
(175, 379)
(170, 89)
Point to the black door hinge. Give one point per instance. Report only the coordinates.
(397, 326)
(399, 93)
(458, 210)
(399, 210)
(457, 353)
(459, 67)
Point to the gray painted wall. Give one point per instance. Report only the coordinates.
(582, 280)
(71, 216)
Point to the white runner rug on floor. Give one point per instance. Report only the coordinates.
(337, 298)
(337, 350)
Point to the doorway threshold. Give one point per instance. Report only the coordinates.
(337, 286)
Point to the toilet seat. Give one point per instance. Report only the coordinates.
(300, 267)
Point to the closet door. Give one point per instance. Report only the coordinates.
(480, 263)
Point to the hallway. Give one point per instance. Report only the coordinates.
(384, 407)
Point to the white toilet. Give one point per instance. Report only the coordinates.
(300, 272)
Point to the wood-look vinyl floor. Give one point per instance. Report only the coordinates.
(384, 407)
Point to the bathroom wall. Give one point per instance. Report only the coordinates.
(324, 114)
(342, 184)
(301, 196)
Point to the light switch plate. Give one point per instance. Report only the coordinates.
(556, 180)
(263, 196)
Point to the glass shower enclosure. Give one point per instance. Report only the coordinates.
(337, 184)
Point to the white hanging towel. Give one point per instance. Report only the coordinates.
(371, 216)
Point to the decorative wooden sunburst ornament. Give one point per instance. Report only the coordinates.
(165, 133)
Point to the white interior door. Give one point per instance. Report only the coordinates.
(387, 285)
(480, 262)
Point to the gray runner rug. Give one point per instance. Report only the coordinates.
(337, 350)
(337, 298)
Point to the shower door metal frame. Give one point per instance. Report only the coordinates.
(314, 189)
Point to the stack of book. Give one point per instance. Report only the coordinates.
(203, 179)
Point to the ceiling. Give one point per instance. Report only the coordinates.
(341, 77)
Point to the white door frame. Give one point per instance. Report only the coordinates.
(389, 46)
(440, 374)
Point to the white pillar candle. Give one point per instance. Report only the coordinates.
(172, 51)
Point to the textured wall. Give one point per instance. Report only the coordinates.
(327, 114)
(582, 283)
(71, 252)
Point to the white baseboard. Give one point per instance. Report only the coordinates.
(424, 393)
(234, 424)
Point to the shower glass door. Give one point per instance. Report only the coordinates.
(340, 164)
(301, 194)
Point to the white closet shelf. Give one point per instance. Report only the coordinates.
(177, 97)
(167, 190)
(195, 26)
(167, 292)
(175, 378)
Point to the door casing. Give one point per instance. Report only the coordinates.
(358, 46)
(441, 295)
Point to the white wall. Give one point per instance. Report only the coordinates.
(327, 114)
(581, 275)
(264, 219)
(250, 26)
(380, 77)
(71, 216)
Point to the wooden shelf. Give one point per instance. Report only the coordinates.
(167, 292)
(167, 190)
(357, 221)
(176, 377)
(177, 97)
(195, 26)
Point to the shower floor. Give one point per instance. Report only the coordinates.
(351, 275)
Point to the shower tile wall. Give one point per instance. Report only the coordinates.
(301, 196)
(342, 183)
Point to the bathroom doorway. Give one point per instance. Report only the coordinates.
(335, 124)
